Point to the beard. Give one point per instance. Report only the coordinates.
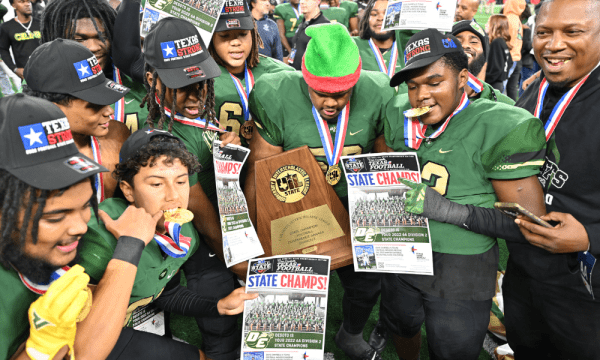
(561, 86)
(35, 269)
(477, 64)
(379, 37)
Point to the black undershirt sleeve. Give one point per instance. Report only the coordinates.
(178, 299)
(493, 223)
(5, 47)
(126, 48)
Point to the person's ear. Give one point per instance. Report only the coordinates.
(463, 78)
(127, 191)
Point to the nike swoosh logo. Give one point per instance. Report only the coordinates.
(129, 102)
(444, 152)
(352, 134)
(211, 255)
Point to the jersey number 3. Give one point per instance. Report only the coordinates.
(436, 176)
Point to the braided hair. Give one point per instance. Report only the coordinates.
(253, 57)
(154, 109)
(15, 196)
(60, 16)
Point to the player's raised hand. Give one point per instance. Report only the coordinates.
(134, 222)
(53, 316)
(233, 303)
(568, 236)
(230, 138)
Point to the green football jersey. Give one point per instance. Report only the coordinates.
(153, 271)
(15, 300)
(291, 22)
(290, 123)
(489, 93)
(486, 141)
(337, 15)
(351, 7)
(228, 105)
(133, 116)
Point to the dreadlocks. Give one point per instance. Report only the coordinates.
(59, 17)
(155, 109)
(252, 59)
(16, 195)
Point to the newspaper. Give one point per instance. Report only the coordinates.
(287, 320)
(240, 242)
(385, 238)
(419, 15)
(203, 14)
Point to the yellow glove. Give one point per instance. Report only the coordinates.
(53, 316)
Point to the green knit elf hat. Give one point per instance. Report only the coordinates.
(331, 63)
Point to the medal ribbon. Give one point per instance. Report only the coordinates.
(295, 12)
(174, 248)
(389, 70)
(119, 114)
(560, 107)
(475, 84)
(197, 122)
(98, 180)
(333, 152)
(414, 130)
(42, 288)
(244, 93)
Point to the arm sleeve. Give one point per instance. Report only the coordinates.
(5, 48)
(268, 129)
(593, 232)
(493, 223)
(495, 65)
(126, 48)
(180, 300)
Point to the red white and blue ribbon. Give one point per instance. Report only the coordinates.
(475, 84)
(197, 122)
(414, 130)
(333, 151)
(295, 11)
(560, 107)
(391, 68)
(98, 180)
(244, 93)
(119, 114)
(174, 248)
(42, 288)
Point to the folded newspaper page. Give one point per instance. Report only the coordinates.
(240, 242)
(287, 320)
(419, 15)
(385, 238)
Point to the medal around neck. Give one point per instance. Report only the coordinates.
(416, 112)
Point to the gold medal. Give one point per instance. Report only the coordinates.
(180, 216)
(246, 130)
(416, 112)
(333, 175)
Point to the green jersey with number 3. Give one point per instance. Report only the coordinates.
(290, 21)
(290, 123)
(484, 142)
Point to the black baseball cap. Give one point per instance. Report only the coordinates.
(174, 48)
(37, 146)
(473, 27)
(423, 49)
(66, 67)
(235, 15)
(141, 138)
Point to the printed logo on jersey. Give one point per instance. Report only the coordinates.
(416, 48)
(290, 183)
(233, 7)
(45, 136)
(551, 174)
(81, 165)
(354, 165)
(117, 87)
(293, 266)
(88, 69)
(181, 48)
(260, 266)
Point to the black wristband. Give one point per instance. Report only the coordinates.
(129, 249)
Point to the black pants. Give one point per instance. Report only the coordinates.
(361, 291)
(455, 328)
(133, 344)
(550, 321)
(208, 276)
(512, 86)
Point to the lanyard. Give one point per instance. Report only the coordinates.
(475, 84)
(42, 288)
(173, 243)
(197, 122)
(244, 94)
(389, 70)
(98, 180)
(119, 114)
(333, 151)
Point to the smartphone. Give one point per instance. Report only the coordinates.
(513, 210)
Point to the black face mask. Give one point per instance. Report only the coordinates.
(35, 269)
(379, 37)
(477, 64)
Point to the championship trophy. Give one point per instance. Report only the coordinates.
(298, 211)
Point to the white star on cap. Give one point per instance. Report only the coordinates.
(83, 70)
(33, 137)
(168, 50)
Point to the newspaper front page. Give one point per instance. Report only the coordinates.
(287, 320)
(385, 238)
(419, 15)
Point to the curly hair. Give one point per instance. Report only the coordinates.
(148, 155)
(17, 196)
(253, 57)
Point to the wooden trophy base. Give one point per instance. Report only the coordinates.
(297, 211)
